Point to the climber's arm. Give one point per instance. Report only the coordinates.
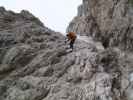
(66, 40)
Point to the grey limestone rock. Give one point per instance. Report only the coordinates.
(36, 64)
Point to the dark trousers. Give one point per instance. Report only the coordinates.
(71, 44)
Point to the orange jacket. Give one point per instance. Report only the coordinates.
(71, 36)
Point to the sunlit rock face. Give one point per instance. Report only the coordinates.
(109, 21)
(36, 64)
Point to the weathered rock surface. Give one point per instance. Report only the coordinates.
(35, 64)
(110, 21)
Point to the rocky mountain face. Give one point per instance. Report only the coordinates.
(108, 21)
(36, 64)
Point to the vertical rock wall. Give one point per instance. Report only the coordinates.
(110, 21)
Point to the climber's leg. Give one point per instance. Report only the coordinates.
(71, 44)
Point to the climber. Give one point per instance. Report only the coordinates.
(71, 36)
